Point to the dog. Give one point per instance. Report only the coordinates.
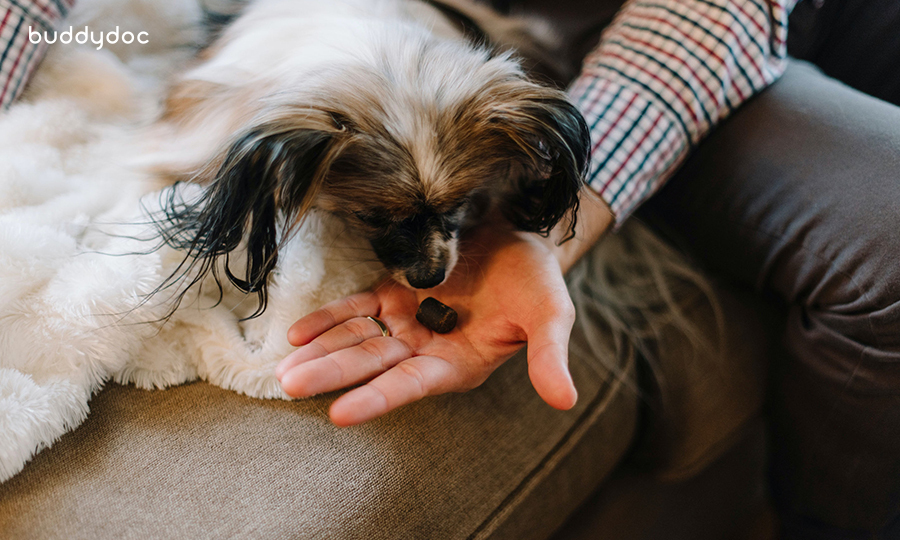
(410, 120)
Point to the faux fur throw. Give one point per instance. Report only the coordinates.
(75, 265)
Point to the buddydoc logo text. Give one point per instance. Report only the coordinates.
(82, 36)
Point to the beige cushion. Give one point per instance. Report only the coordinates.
(201, 462)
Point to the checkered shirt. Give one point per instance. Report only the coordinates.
(18, 55)
(663, 75)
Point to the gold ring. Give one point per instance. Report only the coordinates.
(385, 331)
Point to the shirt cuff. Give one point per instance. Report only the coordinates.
(636, 142)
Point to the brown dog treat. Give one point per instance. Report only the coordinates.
(436, 316)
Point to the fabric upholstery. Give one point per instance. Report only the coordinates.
(200, 462)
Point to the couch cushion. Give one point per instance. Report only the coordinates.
(197, 461)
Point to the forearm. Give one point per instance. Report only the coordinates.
(663, 75)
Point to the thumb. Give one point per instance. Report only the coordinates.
(548, 364)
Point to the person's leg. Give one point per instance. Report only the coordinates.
(799, 194)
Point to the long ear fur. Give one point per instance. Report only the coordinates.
(264, 172)
(554, 141)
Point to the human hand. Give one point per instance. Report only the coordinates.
(508, 289)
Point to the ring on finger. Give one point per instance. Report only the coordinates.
(385, 331)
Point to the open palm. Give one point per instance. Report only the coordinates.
(508, 289)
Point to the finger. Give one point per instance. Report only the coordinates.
(332, 314)
(346, 335)
(408, 381)
(344, 367)
(548, 364)
(307, 352)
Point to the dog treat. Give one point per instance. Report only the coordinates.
(436, 316)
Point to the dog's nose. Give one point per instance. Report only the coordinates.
(425, 280)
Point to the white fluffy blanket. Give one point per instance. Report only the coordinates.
(72, 273)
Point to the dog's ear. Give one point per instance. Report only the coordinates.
(264, 173)
(552, 141)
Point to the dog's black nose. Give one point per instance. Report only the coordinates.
(425, 280)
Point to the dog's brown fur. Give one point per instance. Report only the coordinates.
(402, 139)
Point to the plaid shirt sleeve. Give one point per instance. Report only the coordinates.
(663, 75)
(19, 55)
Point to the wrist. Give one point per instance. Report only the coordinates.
(594, 218)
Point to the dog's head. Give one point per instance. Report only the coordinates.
(408, 150)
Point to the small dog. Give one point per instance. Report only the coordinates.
(394, 115)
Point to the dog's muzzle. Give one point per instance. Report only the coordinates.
(426, 279)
